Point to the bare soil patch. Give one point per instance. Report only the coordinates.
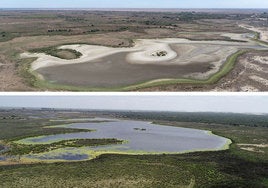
(237, 80)
(113, 71)
(253, 147)
(263, 31)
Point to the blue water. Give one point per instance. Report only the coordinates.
(153, 138)
(2, 158)
(66, 156)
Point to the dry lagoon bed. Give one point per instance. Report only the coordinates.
(148, 60)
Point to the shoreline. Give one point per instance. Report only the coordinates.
(93, 153)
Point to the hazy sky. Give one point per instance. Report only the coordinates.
(134, 3)
(248, 104)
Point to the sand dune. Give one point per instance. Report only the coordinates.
(263, 31)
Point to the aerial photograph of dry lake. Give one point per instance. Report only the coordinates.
(113, 45)
(133, 141)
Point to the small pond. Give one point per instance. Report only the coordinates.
(2, 158)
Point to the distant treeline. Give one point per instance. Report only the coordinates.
(202, 117)
(58, 30)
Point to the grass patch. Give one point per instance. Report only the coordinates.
(257, 38)
(261, 42)
(60, 53)
(6, 36)
(205, 169)
(21, 149)
(24, 67)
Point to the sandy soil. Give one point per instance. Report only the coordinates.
(248, 66)
(248, 88)
(262, 60)
(249, 75)
(259, 79)
(253, 147)
(263, 31)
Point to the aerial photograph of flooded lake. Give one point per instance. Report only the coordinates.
(133, 141)
(139, 137)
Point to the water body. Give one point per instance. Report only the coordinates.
(140, 137)
(2, 150)
(65, 156)
(2, 158)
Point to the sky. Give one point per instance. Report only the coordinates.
(134, 4)
(239, 104)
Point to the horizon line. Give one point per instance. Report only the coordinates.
(133, 110)
(130, 8)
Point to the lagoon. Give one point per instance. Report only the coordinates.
(139, 137)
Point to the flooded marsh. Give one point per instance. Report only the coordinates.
(138, 137)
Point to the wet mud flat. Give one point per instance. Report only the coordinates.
(115, 71)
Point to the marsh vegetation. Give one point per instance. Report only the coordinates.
(229, 168)
(22, 149)
(59, 53)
